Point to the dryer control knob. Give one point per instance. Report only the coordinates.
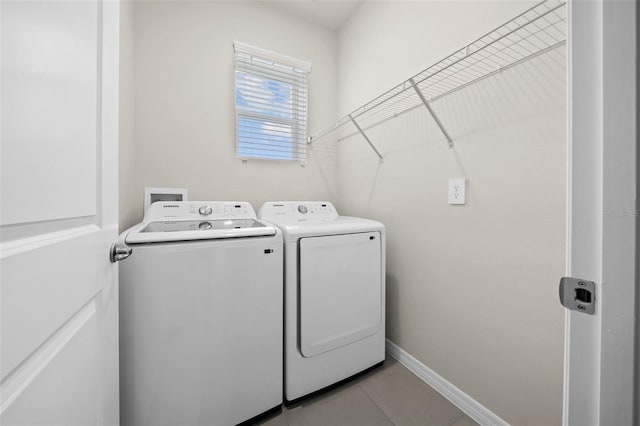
(205, 210)
(302, 208)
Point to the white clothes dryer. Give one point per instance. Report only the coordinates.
(334, 294)
(200, 316)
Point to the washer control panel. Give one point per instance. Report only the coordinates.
(194, 210)
(298, 210)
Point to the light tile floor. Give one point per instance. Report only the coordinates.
(388, 395)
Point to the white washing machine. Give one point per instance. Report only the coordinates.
(334, 294)
(200, 316)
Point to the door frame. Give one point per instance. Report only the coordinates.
(602, 211)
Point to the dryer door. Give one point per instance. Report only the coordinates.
(340, 290)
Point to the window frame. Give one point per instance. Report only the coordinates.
(294, 73)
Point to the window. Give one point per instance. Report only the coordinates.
(271, 104)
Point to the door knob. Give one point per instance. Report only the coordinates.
(119, 252)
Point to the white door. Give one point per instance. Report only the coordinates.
(58, 212)
(599, 356)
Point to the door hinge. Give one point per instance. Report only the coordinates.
(578, 294)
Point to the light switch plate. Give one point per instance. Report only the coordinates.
(457, 191)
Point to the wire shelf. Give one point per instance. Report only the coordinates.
(534, 32)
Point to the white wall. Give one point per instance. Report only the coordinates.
(184, 102)
(128, 193)
(471, 290)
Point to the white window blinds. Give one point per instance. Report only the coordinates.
(271, 104)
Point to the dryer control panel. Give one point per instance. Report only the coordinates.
(298, 210)
(198, 210)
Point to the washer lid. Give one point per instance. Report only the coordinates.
(202, 220)
(157, 232)
(197, 225)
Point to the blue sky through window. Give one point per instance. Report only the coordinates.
(265, 117)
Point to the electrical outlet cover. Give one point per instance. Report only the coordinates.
(457, 191)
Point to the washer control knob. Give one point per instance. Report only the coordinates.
(302, 208)
(205, 210)
(204, 226)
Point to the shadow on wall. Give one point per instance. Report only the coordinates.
(324, 154)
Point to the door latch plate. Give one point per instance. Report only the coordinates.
(578, 294)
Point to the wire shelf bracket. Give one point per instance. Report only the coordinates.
(432, 112)
(534, 32)
(364, 135)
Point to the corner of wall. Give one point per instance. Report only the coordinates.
(129, 214)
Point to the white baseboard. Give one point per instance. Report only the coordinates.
(464, 402)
